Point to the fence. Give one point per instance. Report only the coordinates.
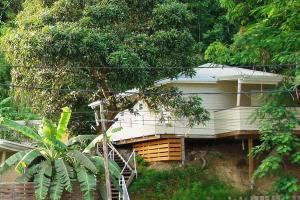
(262, 198)
(19, 191)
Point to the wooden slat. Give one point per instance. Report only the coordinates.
(160, 150)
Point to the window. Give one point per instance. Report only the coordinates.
(140, 106)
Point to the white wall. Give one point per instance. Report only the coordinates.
(147, 123)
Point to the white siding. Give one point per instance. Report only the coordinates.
(225, 116)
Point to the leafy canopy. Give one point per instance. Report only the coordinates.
(269, 33)
(126, 43)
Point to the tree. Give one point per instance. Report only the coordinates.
(277, 123)
(9, 110)
(269, 33)
(123, 44)
(209, 23)
(9, 9)
(56, 162)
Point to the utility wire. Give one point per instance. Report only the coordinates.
(147, 92)
(252, 67)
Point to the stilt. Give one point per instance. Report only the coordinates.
(251, 161)
(182, 151)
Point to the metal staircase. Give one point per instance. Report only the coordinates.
(128, 170)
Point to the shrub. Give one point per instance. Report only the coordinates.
(180, 183)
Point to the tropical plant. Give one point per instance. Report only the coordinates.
(269, 33)
(55, 162)
(279, 146)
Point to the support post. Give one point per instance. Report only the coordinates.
(182, 151)
(2, 161)
(3, 157)
(239, 90)
(105, 152)
(251, 161)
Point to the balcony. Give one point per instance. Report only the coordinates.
(238, 119)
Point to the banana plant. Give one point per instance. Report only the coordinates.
(55, 162)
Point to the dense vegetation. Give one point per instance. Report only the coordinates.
(120, 44)
(128, 44)
(180, 183)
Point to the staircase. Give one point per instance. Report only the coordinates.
(128, 171)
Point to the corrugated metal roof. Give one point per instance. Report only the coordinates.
(13, 146)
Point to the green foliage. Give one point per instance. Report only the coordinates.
(9, 9)
(209, 23)
(171, 100)
(277, 122)
(9, 110)
(269, 33)
(127, 41)
(4, 74)
(189, 182)
(53, 162)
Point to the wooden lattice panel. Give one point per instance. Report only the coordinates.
(160, 150)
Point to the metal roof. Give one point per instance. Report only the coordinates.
(12, 146)
(212, 73)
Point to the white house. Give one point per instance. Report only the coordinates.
(230, 94)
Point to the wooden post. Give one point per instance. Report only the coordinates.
(239, 90)
(105, 153)
(182, 151)
(3, 157)
(251, 161)
(2, 161)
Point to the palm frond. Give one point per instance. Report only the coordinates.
(93, 144)
(27, 159)
(63, 122)
(102, 188)
(57, 188)
(52, 141)
(42, 180)
(114, 169)
(47, 128)
(29, 174)
(83, 160)
(11, 161)
(26, 131)
(65, 174)
(81, 139)
(87, 182)
(5, 102)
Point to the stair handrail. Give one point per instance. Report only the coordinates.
(111, 155)
(117, 152)
(132, 155)
(124, 195)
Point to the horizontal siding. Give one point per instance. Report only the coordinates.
(160, 150)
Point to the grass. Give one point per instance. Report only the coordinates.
(180, 183)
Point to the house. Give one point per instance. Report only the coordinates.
(8, 148)
(230, 94)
